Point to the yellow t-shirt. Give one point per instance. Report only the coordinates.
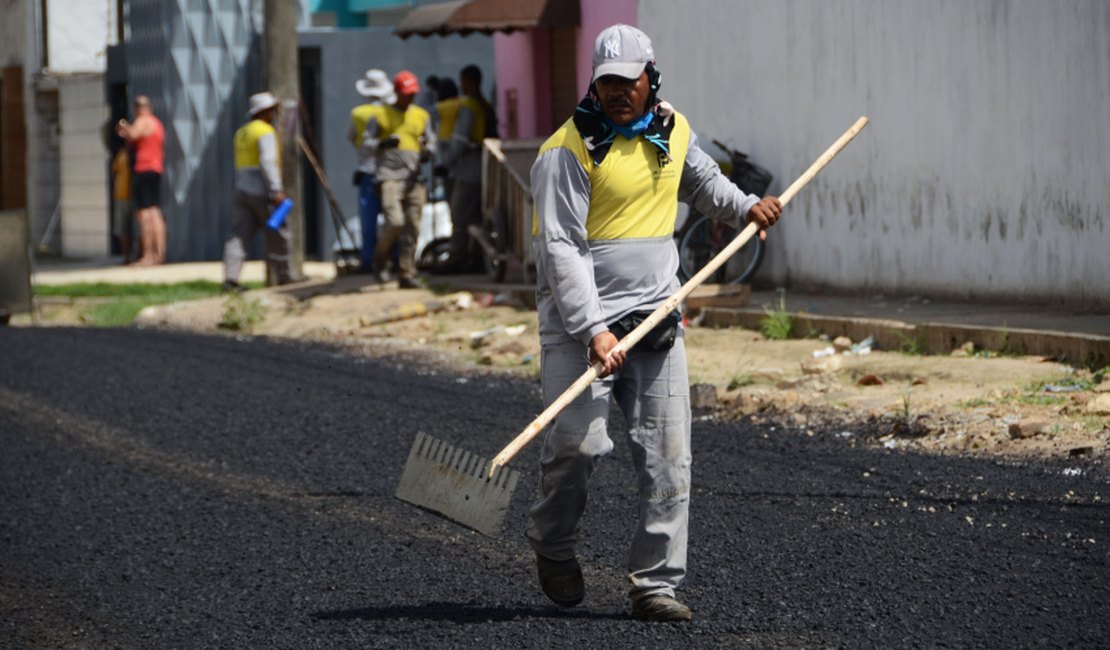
(247, 154)
(409, 126)
(634, 191)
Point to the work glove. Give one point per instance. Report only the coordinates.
(389, 143)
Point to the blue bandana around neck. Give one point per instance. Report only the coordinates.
(633, 128)
(598, 131)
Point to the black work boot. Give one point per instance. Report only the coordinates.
(561, 581)
(661, 608)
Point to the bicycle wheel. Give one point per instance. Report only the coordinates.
(702, 238)
(434, 255)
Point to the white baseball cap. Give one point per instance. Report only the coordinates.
(260, 102)
(376, 85)
(622, 50)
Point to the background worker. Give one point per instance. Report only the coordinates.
(123, 225)
(147, 136)
(258, 191)
(461, 161)
(378, 90)
(606, 187)
(405, 140)
(444, 116)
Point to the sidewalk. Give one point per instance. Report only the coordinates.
(110, 270)
(935, 327)
(925, 325)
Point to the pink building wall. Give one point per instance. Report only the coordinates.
(521, 64)
(596, 16)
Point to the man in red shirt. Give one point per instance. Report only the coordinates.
(147, 136)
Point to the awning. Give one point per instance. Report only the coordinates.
(487, 16)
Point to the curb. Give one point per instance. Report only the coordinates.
(936, 338)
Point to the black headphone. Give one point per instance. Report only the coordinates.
(654, 82)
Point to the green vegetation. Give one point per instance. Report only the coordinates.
(116, 305)
(778, 323)
(912, 345)
(154, 293)
(740, 380)
(1036, 400)
(907, 405)
(242, 314)
(1078, 382)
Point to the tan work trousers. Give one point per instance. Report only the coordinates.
(402, 205)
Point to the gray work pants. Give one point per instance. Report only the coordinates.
(249, 217)
(652, 390)
(402, 207)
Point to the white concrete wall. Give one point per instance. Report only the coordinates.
(85, 218)
(985, 172)
(13, 32)
(78, 33)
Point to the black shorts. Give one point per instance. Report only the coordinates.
(145, 190)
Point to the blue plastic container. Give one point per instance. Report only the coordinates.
(277, 217)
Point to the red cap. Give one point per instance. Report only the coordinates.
(405, 83)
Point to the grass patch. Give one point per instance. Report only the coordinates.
(242, 314)
(778, 323)
(1037, 400)
(156, 293)
(911, 345)
(117, 313)
(1078, 382)
(974, 402)
(118, 304)
(741, 380)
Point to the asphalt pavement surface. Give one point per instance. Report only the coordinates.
(169, 490)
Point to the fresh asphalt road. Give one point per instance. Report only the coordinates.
(164, 490)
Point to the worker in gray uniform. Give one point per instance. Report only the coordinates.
(606, 188)
(470, 123)
(258, 190)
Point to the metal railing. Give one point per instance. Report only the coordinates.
(505, 234)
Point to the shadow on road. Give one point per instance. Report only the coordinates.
(459, 613)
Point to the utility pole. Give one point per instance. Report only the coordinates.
(283, 80)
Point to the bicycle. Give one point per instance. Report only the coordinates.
(701, 237)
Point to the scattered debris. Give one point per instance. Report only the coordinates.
(819, 366)
(1072, 471)
(482, 338)
(826, 352)
(1070, 388)
(965, 350)
(451, 302)
(842, 343)
(1028, 427)
(703, 396)
(863, 347)
(1099, 404)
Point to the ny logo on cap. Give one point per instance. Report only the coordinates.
(612, 48)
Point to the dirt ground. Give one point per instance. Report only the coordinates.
(977, 403)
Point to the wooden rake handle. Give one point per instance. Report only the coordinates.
(633, 337)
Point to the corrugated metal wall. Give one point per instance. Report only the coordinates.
(198, 62)
(984, 172)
